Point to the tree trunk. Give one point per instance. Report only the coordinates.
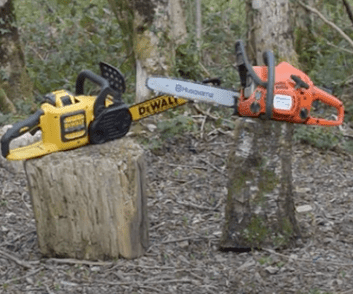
(198, 24)
(14, 81)
(90, 203)
(260, 208)
(153, 28)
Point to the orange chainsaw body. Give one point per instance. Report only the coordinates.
(291, 102)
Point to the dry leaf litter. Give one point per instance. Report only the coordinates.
(187, 180)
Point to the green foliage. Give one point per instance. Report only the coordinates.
(265, 260)
(175, 126)
(256, 232)
(323, 53)
(348, 146)
(320, 137)
(62, 38)
(223, 22)
(187, 61)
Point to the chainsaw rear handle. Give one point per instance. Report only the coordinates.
(245, 68)
(18, 129)
(99, 104)
(330, 100)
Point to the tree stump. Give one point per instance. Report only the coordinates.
(90, 203)
(260, 208)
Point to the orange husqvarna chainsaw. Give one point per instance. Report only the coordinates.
(68, 121)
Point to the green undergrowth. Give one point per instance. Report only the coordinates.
(62, 38)
(318, 136)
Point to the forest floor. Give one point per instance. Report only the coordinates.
(187, 180)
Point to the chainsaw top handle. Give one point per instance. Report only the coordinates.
(18, 129)
(245, 70)
(99, 104)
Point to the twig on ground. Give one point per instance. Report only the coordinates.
(308, 260)
(189, 204)
(76, 261)
(24, 277)
(199, 110)
(22, 263)
(157, 226)
(188, 166)
(211, 165)
(179, 240)
(142, 284)
(17, 238)
(202, 126)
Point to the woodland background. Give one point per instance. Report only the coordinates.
(186, 205)
(60, 38)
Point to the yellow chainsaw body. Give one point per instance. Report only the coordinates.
(63, 126)
(69, 121)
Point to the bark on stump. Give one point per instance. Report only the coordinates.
(260, 208)
(90, 203)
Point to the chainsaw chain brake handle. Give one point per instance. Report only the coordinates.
(114, 77)
(111, 82)
(250, 80)
(18, 129)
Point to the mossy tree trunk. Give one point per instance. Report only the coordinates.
(260, 209)
(152, 30)
(14, 81)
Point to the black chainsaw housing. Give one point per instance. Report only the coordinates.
(111, 123)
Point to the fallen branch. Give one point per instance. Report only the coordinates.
(179, 240)
(189, 204)
(330, 23)
(23, 277)
(308, 260)
(76, 261)
(136, 284)
(25, 264)
(213, 166)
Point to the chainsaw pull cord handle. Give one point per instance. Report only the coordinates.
(18, 129)
(99, 104)
(245, 69)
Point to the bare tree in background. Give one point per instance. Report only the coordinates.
(198, 23)
(14, 81)
(152, 30)
(260, 208)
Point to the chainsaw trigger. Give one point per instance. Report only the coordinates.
(34, 130)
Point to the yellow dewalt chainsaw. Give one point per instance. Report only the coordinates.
(69, 121)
